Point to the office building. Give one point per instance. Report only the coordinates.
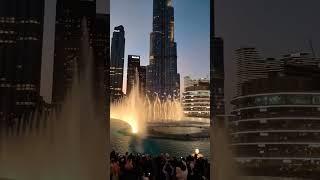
(196, 99)
(101, 44)
(117, 63)
(142, 79)
(21, 34)
(212, 36)
(275, 129)
(69, 17)
(249, 65)
(132, 72)
(218, 77)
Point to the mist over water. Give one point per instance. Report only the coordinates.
(69, 142)
(223, 167)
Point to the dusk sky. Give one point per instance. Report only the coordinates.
(192, 30)
(274, 27)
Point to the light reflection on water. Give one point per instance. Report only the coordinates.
(122, 143)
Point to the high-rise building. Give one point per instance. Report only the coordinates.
(142, 79)
(196, 99)
(162, 76)
(21, 34)
(218, 77)
(133, 72)
(212, 36)
(177, 87)
(101, 57)
(218, 56)
(117, 63)
(107, 79)
(275, 127)
(249, 65)
(69, 17)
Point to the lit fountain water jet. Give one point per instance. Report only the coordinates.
(70, 144)
(137, 110)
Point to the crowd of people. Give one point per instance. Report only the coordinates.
(162, 167)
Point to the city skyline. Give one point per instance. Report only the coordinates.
(273, 27)
(192, 41)
(86, 91)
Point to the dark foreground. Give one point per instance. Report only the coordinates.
(162, 167)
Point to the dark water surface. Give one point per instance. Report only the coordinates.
(123, 143)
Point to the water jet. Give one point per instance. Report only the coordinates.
(138, 110)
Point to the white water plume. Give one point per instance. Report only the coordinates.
(138, 109)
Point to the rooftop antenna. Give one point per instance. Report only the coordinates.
(311, 48)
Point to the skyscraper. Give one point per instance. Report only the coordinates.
(69, 16)
(107, 70)
(133, 72)
(250, 65)
(218, 77)
(212, 35)
(142, 79)
(101, 57)
(21, 31)
(117, 62)
(162, 76)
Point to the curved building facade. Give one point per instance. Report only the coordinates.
(197, 103)
(196, 99)
(276, 125)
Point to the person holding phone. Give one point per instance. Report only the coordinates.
(182, 170)
(168, 170)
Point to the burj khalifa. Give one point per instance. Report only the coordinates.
(162, 76)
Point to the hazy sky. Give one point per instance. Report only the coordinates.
(275, 27)
(192, 30)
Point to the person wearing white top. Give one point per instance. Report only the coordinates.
(182, 171)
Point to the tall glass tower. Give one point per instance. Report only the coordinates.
(117, 62)
(162, 76)
(218, 77)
